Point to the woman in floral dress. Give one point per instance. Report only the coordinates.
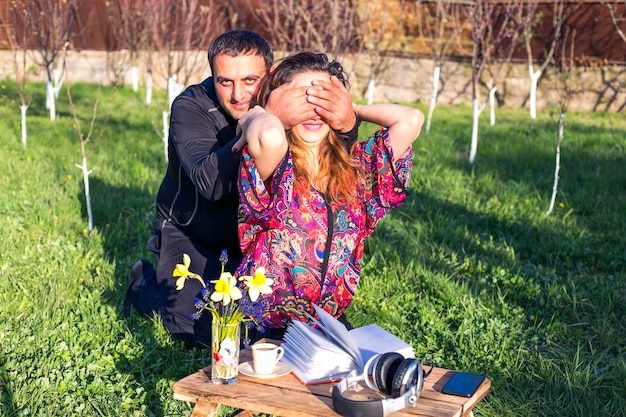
(307, 203)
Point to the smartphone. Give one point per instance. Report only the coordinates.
(463, 384)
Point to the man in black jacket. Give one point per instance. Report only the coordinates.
(197, 203)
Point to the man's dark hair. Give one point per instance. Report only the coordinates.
(240, 42)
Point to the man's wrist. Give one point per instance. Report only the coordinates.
(350, 137)
(355, 127)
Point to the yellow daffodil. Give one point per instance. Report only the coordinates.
(258, 283)
(226, 289)
(182, 271)
(225, 300)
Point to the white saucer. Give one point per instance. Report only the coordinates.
(280, 370)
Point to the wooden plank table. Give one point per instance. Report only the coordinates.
(287, 397)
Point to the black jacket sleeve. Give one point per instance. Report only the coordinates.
(349, 138)
(203, 140)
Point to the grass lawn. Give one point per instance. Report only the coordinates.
(468, 270)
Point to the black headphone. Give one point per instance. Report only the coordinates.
(389, 373)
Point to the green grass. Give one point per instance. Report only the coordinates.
(468, 270)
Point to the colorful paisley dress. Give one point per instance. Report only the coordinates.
(288, 234)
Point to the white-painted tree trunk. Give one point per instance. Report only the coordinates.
(433, 96)
(48, 91)
(492, 105)
(23, 108)
(134, 77)
(474, 142)
(148, 88)
(557, 162)
(86, 173)
(370, 92)
(165, 134)
(52, 93)
(173, 90)
(58, 82)
(50, 101)
(534, 80)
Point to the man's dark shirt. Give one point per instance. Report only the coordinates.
(199, 192)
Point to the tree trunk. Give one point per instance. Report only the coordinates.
(148, 88)
(492, 105)
(173, 90)
(433, 96)
(165, 134)
(134, 75)
(86, 173)
(557, 162)
(474, 142)
(58, 82)
(48, 91)
(534, 80)
(24, 107)
(50, 101)
(370, 92)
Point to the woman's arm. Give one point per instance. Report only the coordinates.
(266, 139)
(404, 123)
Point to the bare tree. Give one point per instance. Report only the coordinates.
(618, 17)
(180, 33)
(129, 29)
(546, 44)
(51, 23)
(15, 35)
(490, 25)
(381, 31)
(500, 62)
(617, 14)
(437, 34)
(566, 70)
(178, 39)
(319, 25)
(84, 140)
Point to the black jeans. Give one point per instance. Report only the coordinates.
(153, 291)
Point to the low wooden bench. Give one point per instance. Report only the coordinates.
(287, 397)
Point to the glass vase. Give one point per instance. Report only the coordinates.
(224, 351)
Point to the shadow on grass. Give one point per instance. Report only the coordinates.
(591, 186)
(463, 243)
(592, 180)
(518, 159)
(120, 212)
(525, 154)
(566, 273)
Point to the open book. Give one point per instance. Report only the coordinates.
(328, 352)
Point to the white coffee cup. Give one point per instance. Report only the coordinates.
(265, 356)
